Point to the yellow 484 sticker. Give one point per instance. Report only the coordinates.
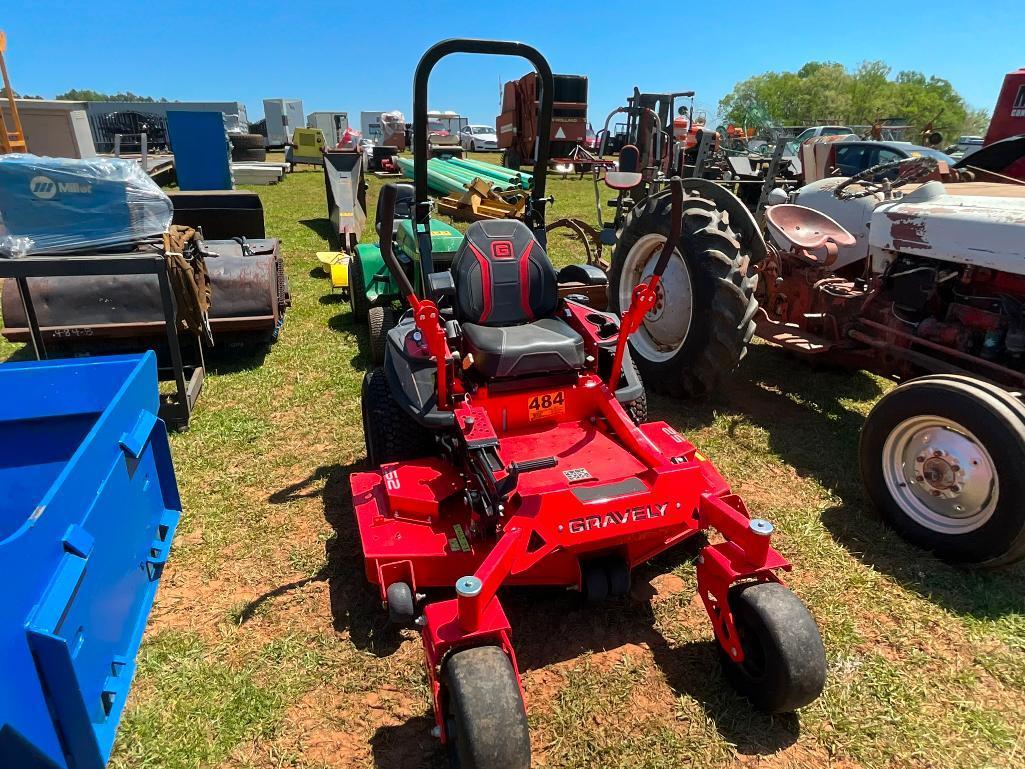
(545, 405)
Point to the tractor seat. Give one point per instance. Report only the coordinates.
(507, 294)
(545, 346)
(792, 225)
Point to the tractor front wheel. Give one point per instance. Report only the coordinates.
(486, 721)
(941, 459)
(784, 665)
(703, 318)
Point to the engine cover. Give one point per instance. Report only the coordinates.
(972, 224)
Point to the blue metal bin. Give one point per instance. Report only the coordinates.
(88, 509)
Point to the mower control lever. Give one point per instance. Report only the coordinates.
(425, 312)
(515, 468)
(645, 293)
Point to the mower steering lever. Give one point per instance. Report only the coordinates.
(644, 294)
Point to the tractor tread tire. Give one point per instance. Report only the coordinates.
(724, 306)
(357, 291)
(997, 419)
(637, 409)
(390, 433)
(380, 320)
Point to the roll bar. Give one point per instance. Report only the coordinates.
(436, 53)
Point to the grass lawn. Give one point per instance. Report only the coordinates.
(266, 647)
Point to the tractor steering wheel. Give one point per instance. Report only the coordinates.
(908, 170)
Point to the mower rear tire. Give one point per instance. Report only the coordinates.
(594, 583)
(784, 665)
(486, 720)
(941, 459)
(391, 435)
(638, 408)
(380, 320)
(401, 607)
(620, 581)
(699, 329)
(357, 291)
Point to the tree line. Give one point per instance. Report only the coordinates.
(828, 93)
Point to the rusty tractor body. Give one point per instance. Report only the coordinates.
(923, 281)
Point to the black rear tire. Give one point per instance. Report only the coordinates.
(391, 435)
(784, 666)
(487, 723)
(380, 320)
(638, 408)
(988, 418)
(357, 291)
(723, 305)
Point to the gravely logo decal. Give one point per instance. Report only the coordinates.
(618, 517)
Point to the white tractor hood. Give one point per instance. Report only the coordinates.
(977, 224)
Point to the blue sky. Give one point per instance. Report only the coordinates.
(354, 56)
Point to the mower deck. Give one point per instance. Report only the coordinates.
(413, 519)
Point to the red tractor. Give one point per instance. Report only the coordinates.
(510, 446)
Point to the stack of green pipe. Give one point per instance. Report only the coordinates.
(526, 179)
(436, 181)
(503, 175)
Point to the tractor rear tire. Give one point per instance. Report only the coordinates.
(357, 291)
(941, 459)
(784, 665)
(380, 320)
(699, 330)
(391, 435)
(486, 720)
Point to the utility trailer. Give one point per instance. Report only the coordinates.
(283, 116)
(87, 517)
(333, 124)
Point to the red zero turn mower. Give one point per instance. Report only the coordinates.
(507, 431)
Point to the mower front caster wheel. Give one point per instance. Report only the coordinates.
(602, 578)
(486, 721)
(784, 665)
(401, 607)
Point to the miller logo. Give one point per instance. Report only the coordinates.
(43, 187)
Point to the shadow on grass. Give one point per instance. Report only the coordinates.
(321, 226)
(803, 410)
(355, 603)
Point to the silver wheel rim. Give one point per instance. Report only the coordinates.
(940, 474)
(665, 327)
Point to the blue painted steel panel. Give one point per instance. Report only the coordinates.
(88, 509)
(202, 155)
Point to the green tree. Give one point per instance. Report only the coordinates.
(827, 92)
(86, 94)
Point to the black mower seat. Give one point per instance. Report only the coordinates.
(545, 346)
(507, 294)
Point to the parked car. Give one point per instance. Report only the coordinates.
(855, 156)
(476, 138)
(966, 145)
(793, 148)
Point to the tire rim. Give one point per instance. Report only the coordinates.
(666, 325)
(940, 474)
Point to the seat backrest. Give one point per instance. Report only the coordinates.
(405, 198)
(503, 276)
